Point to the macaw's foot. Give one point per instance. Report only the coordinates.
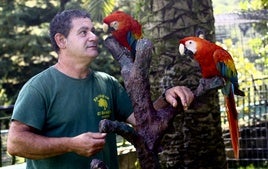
(206, 85)
(97, 164)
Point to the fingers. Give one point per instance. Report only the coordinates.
(98, 135)
(184, 93)
(87, 144)
(96, 142)
(186, 96)
(171, 98)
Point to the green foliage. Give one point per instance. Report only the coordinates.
(25, 48)
(253, 4)
(252, 166)
(3, 97)
(220, 6)
(94, 7)
(260, 47)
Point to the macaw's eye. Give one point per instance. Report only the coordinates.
(114, 25)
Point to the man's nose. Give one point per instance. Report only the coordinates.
(93, 36)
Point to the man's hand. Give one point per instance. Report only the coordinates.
(87, 144)
(184, 93)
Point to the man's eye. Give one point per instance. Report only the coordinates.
(84, 32)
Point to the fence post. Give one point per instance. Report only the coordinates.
(1, 164)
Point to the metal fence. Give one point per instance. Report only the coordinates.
(5, 159)
(253, 121)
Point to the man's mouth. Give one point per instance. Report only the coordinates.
(92, 46)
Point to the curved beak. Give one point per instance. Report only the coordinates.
(182, 49)
(107, 29)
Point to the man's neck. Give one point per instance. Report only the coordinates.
(72, 70)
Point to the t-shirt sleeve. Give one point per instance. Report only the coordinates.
(29, 107)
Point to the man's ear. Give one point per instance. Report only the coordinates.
(60, 40)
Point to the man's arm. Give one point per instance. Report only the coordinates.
(25, 141)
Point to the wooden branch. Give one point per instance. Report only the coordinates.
(151, 123)
(123, 129)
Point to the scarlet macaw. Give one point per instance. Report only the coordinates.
(215, 61)
(124, 28)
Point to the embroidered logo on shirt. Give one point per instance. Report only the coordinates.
(103, 104)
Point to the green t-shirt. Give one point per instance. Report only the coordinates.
(60, 106)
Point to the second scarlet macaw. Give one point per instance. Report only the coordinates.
(215, 61)
(124, 28)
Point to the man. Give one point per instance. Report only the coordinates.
(56, 115)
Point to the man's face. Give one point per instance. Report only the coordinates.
(81, 42)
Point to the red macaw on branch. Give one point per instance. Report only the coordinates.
(124, 28)
(215, 61)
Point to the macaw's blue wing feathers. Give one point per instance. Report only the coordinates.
(227, 72)
(231, 76)
(132, 41)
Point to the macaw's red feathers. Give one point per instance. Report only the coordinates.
(215, 61)
(232, 117)
(125, 29)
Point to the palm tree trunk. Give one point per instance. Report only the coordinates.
(196, 140)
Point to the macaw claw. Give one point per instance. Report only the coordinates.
(207, 84)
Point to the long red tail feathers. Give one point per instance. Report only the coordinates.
(232, 116)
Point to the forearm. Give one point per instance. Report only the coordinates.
(43, 149)
(25, 141)
(34, 146)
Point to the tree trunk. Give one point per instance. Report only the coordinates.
(196, 139)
